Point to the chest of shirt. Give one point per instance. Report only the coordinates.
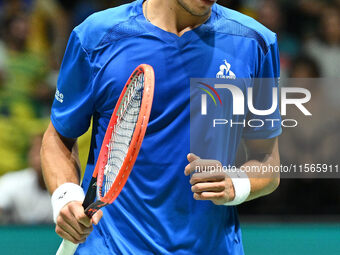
(174, 63)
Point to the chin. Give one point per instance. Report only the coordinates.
(208, 2)
(197, 7)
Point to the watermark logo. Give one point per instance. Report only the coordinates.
(251, 101)
(239, 99)
(206, 88)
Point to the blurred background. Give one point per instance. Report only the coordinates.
(33, 37)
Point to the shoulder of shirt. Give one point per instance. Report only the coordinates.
(236, 23)
(107, 26)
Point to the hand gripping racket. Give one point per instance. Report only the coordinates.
(121, 144)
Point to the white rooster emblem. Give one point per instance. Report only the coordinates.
(225, 71)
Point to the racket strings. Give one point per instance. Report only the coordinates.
(118, 147)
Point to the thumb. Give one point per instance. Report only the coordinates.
(78, 211)
(85, 221)
(96, 217)
(192, 157)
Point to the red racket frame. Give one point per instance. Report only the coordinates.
(135, 145)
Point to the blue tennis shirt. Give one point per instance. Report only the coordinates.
(155, 212)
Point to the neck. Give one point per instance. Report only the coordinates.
(171, 16)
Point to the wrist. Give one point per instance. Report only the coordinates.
(242, 187)
(65, 194)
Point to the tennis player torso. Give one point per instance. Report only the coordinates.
(201, 53)
(155, 211)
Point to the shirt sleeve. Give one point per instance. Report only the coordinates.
(267, 78)
(72, 108)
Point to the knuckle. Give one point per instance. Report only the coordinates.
(194, 179)
(73, 204)
(196, 162)
(75, 207)
(85, 230)
(221, 185)
(83, 235)
(58, 230)
(64, 211)
(87, 224)
(192, 165)
(220, 195)
(78, 217)
(82, 240)
(216, 163)
(82, 229)
(59, 220)
(81, 217)
(195, 188)
(202, 195)
(78, 236)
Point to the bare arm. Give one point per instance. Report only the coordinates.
(59, 159)
(60, 163)
(262, 153)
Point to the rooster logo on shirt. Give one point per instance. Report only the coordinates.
(225, 71)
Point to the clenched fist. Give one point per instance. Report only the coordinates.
(73, 224)
(207, 183)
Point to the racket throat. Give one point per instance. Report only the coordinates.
(91, 193)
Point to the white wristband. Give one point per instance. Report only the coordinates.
(241, 185)
(64, 194)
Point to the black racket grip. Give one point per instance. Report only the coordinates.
(93, 208)
(89, 205)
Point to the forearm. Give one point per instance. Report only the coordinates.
(262, 181)
(59, 159)
(262, 184)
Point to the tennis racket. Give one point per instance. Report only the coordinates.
(121, 144)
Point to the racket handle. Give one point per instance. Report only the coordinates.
(67, 248)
